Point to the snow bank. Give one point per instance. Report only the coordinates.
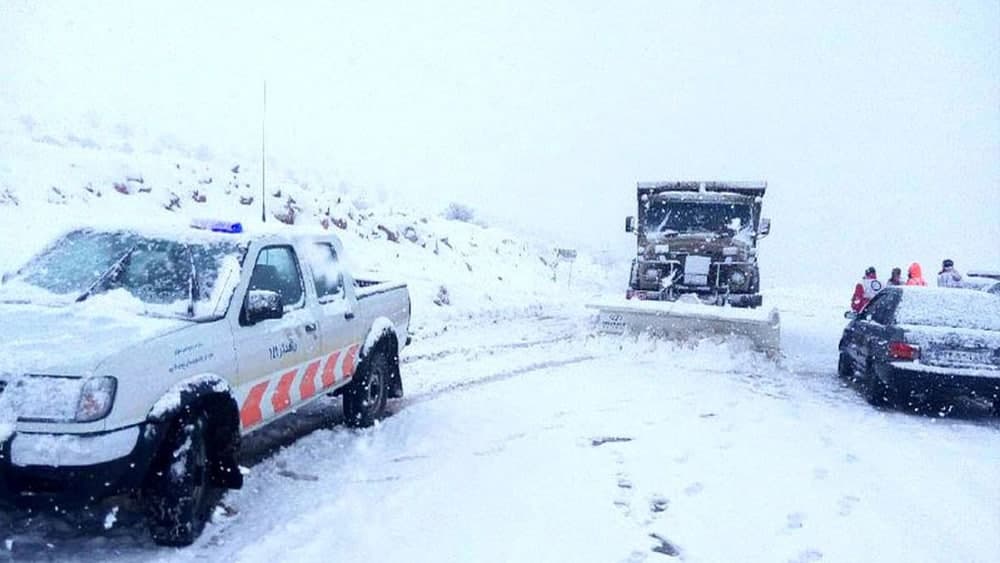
(760, 314)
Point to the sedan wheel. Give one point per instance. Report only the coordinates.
(876, 392)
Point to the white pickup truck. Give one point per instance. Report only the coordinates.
(133, 362)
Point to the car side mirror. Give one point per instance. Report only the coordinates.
(630, 224)
(765, 227)
(262, 305)
(850, 315)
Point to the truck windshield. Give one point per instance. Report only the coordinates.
(153, 276)
(664, 217)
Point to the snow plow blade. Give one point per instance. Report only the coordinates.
(677, 320)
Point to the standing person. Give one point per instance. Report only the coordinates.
(949, 276)
(914, 275)
(896, 278)
(865, 290)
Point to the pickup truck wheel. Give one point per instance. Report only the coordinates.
(365, 398)
(178, 498)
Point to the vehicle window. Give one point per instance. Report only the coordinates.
(327, 272)
(881, 309)
(167, 277)
(669, 217)
(277, 270)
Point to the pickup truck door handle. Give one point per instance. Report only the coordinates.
(349, 315)
(311, 327)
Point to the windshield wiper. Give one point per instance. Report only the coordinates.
(110, 273)
(667, 233)
(192, 281)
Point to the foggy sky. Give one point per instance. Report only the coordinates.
(876, 126)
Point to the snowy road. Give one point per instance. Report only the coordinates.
(528, 438)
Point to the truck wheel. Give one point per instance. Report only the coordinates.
(177, 498)
(365, 398)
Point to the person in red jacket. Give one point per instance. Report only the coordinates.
(865, 290)
(914, 275)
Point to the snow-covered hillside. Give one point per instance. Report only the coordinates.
(52, 179)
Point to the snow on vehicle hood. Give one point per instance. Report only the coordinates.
(70, 340)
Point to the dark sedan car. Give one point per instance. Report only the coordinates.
(913, 343)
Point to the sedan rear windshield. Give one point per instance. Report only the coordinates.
(954, 308)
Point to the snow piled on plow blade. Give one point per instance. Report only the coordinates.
(679, 320)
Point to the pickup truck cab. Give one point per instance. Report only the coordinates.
(134, 361)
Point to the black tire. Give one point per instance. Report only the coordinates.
(876, 392)
(366, 396)
(178, 498)
(845, 369)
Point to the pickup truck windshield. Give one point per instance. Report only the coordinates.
(665, 217)
(153, 276)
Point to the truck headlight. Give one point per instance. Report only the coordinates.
(44, 398)
(96, 398)
(737, 279)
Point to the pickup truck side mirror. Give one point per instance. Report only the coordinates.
(630, 224)
(262, 305)
(765, 227)
(850, 315)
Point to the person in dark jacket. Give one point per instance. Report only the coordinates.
(896, 278)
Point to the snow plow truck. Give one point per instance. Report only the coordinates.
(696, 270)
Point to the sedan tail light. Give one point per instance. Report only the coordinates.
(903, 351)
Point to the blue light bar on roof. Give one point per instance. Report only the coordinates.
(217, 226)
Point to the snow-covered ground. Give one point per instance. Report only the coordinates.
(524, 435)
(529, 438)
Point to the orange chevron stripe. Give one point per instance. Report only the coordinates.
(282, 398)
(308, 386)
(250, 414)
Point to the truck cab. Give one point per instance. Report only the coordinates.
(700, 239)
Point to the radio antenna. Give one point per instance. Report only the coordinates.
(263, 159)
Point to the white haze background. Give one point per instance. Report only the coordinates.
(877, 126)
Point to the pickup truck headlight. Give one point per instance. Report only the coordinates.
(41, 398)
(96, 398)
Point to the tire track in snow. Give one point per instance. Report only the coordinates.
(459, 386)
(447, 353)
